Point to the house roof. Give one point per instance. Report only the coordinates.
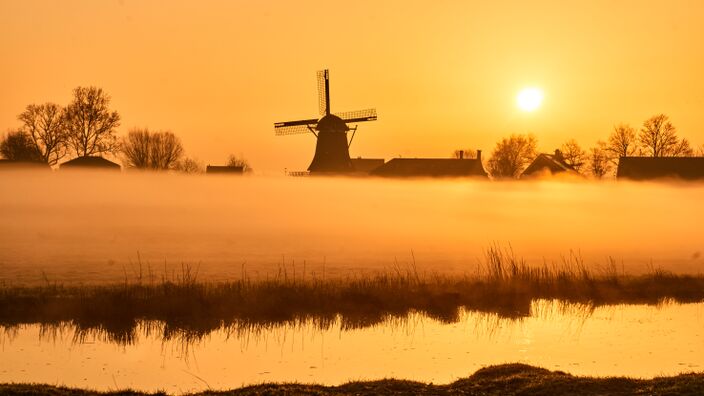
(224, 169)
(431, 167)
(90, 162)
(647, 168)
(552, 163)
(6, 164)
(366, 165)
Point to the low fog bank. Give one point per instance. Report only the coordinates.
(97, 227)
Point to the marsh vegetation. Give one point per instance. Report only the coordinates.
(506, 285)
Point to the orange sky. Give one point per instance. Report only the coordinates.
(442, 76)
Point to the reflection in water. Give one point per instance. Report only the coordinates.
(634, 340)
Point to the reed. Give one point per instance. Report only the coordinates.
(505, 284)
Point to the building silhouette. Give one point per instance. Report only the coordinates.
(226, 169)
(433, 167)
(549, 164)
(649, 168)
(90, 162)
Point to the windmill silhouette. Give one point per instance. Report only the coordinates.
(332, 154)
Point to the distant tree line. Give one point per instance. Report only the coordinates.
(657, 137)
(87, 126)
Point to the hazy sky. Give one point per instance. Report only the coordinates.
(442, 75)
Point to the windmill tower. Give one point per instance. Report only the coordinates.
(332, 154)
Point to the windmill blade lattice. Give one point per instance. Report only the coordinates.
(358, 115)
(323, 95)
(292, 129)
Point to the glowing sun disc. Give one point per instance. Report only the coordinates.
(529, 99)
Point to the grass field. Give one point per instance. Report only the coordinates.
(507, 379)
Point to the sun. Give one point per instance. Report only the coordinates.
(529, 99)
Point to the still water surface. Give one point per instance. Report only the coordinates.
(630, 340)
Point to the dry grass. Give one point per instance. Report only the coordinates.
(505, 285)
(507, 379)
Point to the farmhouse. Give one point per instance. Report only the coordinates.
(548, 164)
(649, 168)
(226, 169)
(433, 167)
(90, 162)
(6, 164)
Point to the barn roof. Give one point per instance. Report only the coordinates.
(90, 162)
(431, 167)
(647, 168)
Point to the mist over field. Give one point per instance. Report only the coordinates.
(96, 227)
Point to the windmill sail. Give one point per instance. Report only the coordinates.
(358, 115)
(294, 127)
(323, 92)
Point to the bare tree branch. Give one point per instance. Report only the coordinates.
(45, 125)
(512, 155)
(90, 124)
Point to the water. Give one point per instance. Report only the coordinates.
(624, 340)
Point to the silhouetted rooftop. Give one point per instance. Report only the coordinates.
(366, 165)
(647, 168)
(238, 170)
(6, 164)
(431, 167)
(548, 163)
(90, 162)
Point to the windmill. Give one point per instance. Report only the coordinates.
(332, 154)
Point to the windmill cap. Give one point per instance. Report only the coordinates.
(332, 123)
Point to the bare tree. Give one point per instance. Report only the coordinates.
(45, 125)
(659, 138)
(165, 150)
(599, 160)
(18, 146)
(511, 155)
(90, 123)
(623, 142)
(151, 150)
(683, 149)
(189, 165)
(135, 148)
(573, 155)
(234, 160)
(700, 151)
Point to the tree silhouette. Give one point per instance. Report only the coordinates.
(143, 149)
(165, 150)
(18, 146)
(234, 160)
(189, 165)
(599, 160)
(90, 123)
(623, 142)
(573, 155)
(659, 138)
(45, 125)
(511, 155)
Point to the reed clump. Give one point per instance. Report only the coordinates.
(505, 285)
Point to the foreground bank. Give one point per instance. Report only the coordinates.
(507, 379)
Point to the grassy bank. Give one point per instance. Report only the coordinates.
(507, 379)
(506, 285)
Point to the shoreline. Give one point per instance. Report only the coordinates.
(514, 378)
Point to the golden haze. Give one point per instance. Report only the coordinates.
(219, 73)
